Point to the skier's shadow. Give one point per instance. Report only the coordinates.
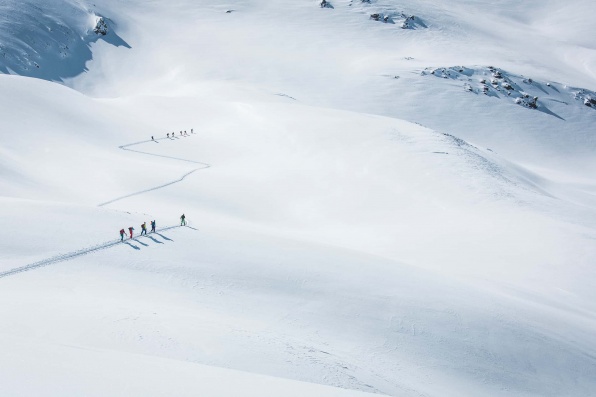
(131, 246)
(142, 243)
(154, 240)
(164, 237)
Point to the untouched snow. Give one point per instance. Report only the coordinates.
(356, 224)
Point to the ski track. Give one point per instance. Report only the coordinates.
(111, 243)
(126, 147)
(74, 254)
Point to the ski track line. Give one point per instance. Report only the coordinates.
(108, 244)
(72, 255)
(126, 147)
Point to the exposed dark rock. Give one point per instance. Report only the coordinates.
(101, 27)
(410, 21)
(499, 83)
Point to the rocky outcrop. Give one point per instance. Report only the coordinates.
(521, 90)
(101, 26)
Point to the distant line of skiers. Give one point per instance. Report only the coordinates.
(173, 134)
(144, 228)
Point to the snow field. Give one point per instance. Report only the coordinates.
(331, 241)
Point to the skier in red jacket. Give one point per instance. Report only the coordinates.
(130, 229)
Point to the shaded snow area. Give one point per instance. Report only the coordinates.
(50, 39)
(359, 220)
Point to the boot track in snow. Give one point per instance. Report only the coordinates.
(75, 254)
(111, 243)
(126, 147)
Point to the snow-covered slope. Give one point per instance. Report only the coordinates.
(361, 213)
(51, 39)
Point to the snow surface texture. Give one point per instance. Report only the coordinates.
(50, 39)
(354, 222)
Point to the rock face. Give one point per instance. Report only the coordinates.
(528, 101)
(325, 4)
(388, 14)
(523, 91)
(404, 21)
(101, 27)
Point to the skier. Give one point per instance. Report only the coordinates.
(144, 228)
(180, 133)
(183, 220)
(153, 226)
(122, 233)
(130, 229)
(152, 138)
(185, 133)
(191, 131)
(168, 135)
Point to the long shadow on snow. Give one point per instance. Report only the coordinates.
(140, 242)
(78, 253)
(164, 237)
(154, 240)
(132, 246)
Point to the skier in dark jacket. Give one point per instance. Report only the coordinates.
(130, 229)
(183, 220)
(153, 226)
(122, 233)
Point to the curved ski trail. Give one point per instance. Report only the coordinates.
(111, 243)
(126, 147)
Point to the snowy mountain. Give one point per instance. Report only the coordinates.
(384, 197)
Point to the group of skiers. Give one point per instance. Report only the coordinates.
(144, 228)
(182, 133)
(173, 134)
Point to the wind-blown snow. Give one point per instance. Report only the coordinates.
(354, 221)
